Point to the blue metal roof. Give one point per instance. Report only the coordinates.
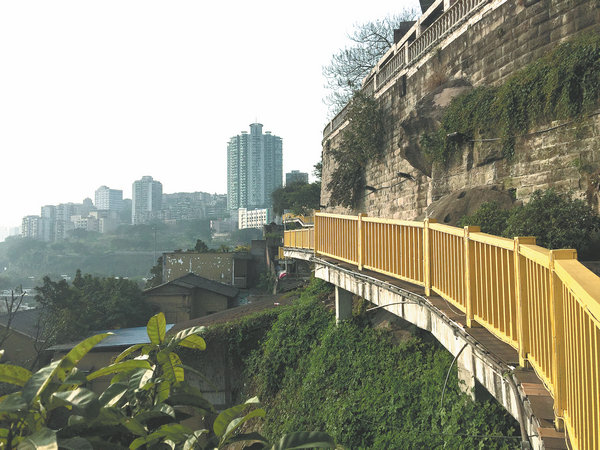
(124, 337)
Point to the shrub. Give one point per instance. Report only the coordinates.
(556, 220)
(143, 407)
(296, 330)
(367, 391)
(490, 217)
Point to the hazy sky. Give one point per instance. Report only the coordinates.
(103, 92)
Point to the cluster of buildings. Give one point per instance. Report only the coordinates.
(254, 171)
(55, 221)
(150, 204)
(109, 210)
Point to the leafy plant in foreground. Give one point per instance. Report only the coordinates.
(142, 408)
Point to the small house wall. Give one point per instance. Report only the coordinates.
(18, 349)
(214, 266)
(206, 302)
(176, 308)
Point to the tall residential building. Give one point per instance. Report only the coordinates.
(107, 199)
(254, 168)
(48, 223)
(30, 227)
(146, 200)
(295, 176)
(63, 224)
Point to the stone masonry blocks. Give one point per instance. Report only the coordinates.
(514, 35)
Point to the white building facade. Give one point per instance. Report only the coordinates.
(254, 218)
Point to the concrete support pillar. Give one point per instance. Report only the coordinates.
(466, 373)
(343, 304)
(466, 380)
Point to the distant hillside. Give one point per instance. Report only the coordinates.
(128, 252)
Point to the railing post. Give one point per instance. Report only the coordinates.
(521, 299)
(470, 273)
(427, 255)
(316, 233)
(361, 242)
(558, 336)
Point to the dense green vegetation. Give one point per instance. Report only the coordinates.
(564, 84)
(359, 384)
(128, 252)
(556, 220)
(361, 141)
(299, 198)
(73, 311)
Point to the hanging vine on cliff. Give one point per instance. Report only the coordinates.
(565, 84)
(361, 142)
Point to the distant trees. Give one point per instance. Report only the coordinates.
(157, 275)
(350, 65)
(201, 246)
(297, 197)
(121, 253)
(72, 311)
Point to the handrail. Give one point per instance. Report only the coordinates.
(542, 302)
(304, 220)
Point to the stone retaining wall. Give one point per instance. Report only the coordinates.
(486, 49)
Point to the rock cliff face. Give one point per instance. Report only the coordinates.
(502, 38)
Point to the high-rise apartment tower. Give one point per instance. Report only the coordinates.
(146, 200)
(108, 199)
(254, 168)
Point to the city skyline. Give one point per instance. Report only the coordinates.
(109, 210)
(159, 94)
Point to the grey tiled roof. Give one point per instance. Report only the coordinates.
(191, 280)
(24, 321)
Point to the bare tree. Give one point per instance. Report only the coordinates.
(351, 65)
(46, 330)
(11, 305)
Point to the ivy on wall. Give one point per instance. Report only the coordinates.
(564, 84)
(361, 141)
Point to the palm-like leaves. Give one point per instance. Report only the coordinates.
(141, 407)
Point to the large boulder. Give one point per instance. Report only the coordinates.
(452, 207)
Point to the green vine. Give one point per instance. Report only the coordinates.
(361, 142)
(564, 84)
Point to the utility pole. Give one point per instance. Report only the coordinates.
(154, 228)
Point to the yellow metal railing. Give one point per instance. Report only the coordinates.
(393, 247)
(302, 238)
(492, 300)
(577, 294)
(336, 236)
(542, 302)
